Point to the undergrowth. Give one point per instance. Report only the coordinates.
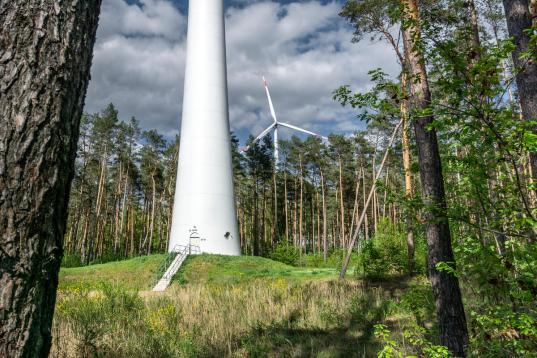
(266, 317)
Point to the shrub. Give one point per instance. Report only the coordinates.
(385, 254)
(418, 300)
(286, 253)
(418, 343)
(88, 314)
(70, 260)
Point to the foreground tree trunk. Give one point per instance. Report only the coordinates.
(447, 294)
(519, 18)
(45, 57)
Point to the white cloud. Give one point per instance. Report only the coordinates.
(303, 48)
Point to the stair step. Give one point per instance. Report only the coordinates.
(176, 264)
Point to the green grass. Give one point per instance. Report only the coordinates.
(219, 269)
(139, 273)
(134, 274)
(222, 306)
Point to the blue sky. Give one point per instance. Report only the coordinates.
(303, 48)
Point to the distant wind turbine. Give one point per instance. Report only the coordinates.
(275, 126)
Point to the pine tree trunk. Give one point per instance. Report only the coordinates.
(325, 239)
(355, 204)
(364, 196)
(312, 209)
(117, 204)
(519, 18)
(474, 24)
(264, 219)
(45, 58)
(373, 176)
(286, 206)
(242, 218)
(84, 241)
(341, 204)
(301, 205)
(447, 294)
(132, 219)
(124, 203)
(385, 199)
(408, 175)
(255, 231)
(152, 222)
(275, 231)
(318, 222)
(295, 214)
(94, 233)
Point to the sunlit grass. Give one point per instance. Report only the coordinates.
(221, 306)
(242, 269)
(134, 274)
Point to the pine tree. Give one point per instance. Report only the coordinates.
(46, 56)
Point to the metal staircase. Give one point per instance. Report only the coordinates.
(182, 254)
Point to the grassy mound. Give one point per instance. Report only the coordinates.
(134, 274)
(139, 273)
(218, 269)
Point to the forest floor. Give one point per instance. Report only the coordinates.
(232, 306)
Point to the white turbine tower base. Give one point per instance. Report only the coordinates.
(275, 124)
(204, 208)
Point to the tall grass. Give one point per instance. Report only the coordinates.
(263, 318)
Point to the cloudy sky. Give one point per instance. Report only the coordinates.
(302, 47)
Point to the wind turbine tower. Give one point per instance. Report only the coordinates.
(204, 208)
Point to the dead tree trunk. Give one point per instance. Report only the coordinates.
(447, 294)
(45, 57)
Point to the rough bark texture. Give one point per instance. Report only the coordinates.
(45, 58)
(519, 18)
(447, 294)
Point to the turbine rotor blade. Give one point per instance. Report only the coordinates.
(290, 126)
(259, 137)
(271, 106)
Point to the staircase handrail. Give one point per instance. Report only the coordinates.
(173, 262)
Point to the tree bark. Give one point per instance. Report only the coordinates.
(373, 176)
(475, 52)
(295, 213)
(152, 222)
(45, 58)
(275, 231)
(325, 245)
(533, 11)
(255, 231)
(408, 174)
(318, 223)
(301, 205)
(447, 294)
(366, 222)
(341, 204)
(285, 206)
(519, 18)
(355, 209)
